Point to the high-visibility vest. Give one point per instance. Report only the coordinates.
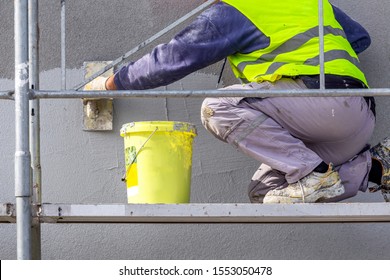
(292, 27)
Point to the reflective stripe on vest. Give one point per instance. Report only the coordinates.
(292, 27)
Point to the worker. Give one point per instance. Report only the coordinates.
(311, 149)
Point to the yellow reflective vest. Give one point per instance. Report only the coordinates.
(292, 27)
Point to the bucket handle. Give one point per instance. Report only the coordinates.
(136, 155)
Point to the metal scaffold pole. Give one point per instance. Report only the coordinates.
(63, 44)
(322, 42)
(35, 123)
(68, 94)
(22, 153)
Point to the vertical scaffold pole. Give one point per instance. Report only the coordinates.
(322, 42)
(22, 153)
(33, 37)
(63, 45)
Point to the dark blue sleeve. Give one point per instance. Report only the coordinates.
(356, 34)
(207, 40)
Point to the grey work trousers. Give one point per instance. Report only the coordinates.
(291, 136)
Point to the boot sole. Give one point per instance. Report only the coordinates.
(335, 190)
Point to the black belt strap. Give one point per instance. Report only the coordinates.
(337, 82)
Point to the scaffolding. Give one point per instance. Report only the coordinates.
(29, 212)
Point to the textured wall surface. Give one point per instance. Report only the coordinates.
(86, 167)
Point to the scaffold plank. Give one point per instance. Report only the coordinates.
(215, 213)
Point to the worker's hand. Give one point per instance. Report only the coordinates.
(97, 84)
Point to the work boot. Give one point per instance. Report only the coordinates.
(381, 153)
(315, 187)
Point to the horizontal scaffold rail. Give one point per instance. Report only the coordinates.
(42, 94)
(206, 213)
(70, 94)
(7, 95)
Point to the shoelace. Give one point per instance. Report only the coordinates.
(386, 193)
(303, 191)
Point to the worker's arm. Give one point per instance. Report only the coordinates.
(357, 36)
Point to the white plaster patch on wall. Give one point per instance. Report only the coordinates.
(21, 70)
(51, 79)
(6, 84)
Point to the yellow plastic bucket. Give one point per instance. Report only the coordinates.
(158, 156)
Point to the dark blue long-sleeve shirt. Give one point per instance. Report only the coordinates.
(218, 32)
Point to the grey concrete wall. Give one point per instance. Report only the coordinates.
(86, 167)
